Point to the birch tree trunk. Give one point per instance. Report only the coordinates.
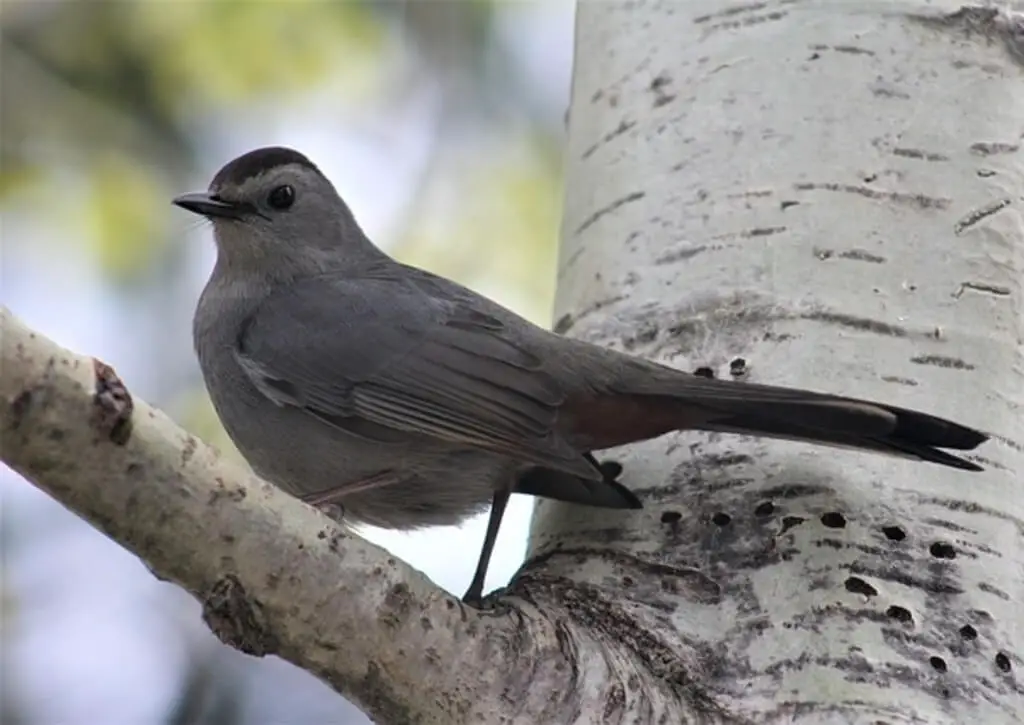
(815, 194)
(823, 195)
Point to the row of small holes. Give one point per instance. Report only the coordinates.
(835, 520)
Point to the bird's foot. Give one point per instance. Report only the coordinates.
(334, 511)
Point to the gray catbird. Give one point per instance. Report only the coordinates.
(347, 378)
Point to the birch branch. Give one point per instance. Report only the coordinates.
(274, 575)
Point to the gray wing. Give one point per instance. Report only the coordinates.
(379, 357)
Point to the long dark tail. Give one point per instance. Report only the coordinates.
(915, 435)
(662, 403)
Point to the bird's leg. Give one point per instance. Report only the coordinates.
(474, 594)
(329, 502)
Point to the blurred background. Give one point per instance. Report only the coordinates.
(441, 122)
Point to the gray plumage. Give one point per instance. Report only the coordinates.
(346, 377)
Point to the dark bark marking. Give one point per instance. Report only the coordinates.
(731, 11)
(974, 216)
(953, 504)
(950, 526)
(942, 361)
(20, 407)
(899, 381)
(188, 450)
(859, 255)
(737, 24)
(237, 619)
(852, 49)
(592, 308)
(609, 208)
(920, 201)
(622, 128)
(994, 591)
(112, 405)
(994, 148)
(886, 90)
(863, 324)
(919, 154)
(752, 233)
(993, 289)
(892, 574)
(680, 254)
(396, 606)
(657, 87)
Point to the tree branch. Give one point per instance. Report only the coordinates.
(275, 576)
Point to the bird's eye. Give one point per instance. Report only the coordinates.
(281, 197)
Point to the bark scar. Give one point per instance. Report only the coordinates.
(237, 619)
(112, 405)
(20, 407)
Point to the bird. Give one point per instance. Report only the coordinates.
(407, 400)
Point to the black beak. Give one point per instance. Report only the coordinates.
(210, 206)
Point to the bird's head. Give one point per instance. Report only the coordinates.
(273, 210)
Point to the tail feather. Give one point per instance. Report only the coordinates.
(661, 400)
(915, 435)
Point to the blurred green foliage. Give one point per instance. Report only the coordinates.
(109, 92)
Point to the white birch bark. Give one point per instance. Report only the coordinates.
(830, 192)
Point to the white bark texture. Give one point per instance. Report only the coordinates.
(823, 195)
(816, 194)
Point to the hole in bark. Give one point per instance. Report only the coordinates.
(1003, 662)
(968, 632)
(858, 586)
(942, 550)
(627, 581)
(833, 520)
(790, 522)
(704, 372)
(671, 517)
(894, 533)
(721, 519)
(900, 614)
(764, 509)
(738, 367)
(937, 663)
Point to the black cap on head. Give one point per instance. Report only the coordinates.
(257, 162)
